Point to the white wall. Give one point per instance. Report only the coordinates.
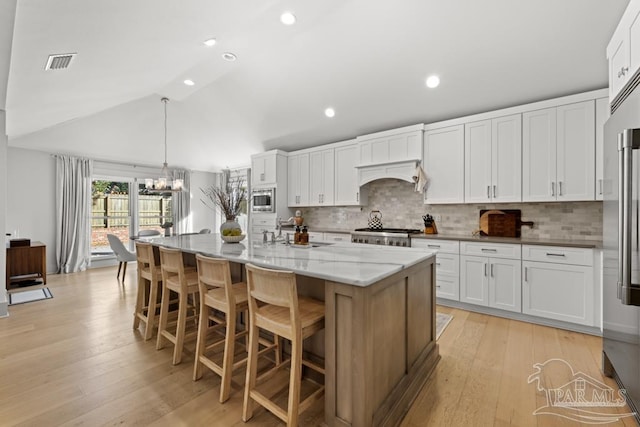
(3, 212)
(201, 215)
(31, 198)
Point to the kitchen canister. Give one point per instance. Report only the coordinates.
(375, 220)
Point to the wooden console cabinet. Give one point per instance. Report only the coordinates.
(27, 262)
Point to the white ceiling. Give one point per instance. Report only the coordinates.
(366, 58)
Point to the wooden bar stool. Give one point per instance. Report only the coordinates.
(149, 280)
(184, 282)
(274, 305)
(219, 294)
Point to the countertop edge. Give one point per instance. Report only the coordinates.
(589, 244)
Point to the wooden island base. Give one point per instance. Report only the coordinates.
(379, 345)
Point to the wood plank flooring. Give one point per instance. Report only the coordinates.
(75, 360)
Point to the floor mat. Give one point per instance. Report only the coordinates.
(29, 296)
(442, 320)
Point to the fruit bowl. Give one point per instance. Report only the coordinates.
(233, 239)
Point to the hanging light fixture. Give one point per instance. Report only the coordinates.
(164, 182)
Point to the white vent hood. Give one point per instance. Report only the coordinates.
(390, 154)
(403, 169)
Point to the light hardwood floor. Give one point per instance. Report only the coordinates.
(75, 360)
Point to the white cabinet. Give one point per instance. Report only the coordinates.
(337, 237)
(391, 146)
(298, 178)
(493, 160)
(269, 168)
(602, 114)
(558, 283)
(447, 266)
(623, 50)
(559, 153)
(443, 164)
(347, 192)
(492, 281)
(321, 177)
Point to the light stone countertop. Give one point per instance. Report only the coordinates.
(343, 262)
(575, 243)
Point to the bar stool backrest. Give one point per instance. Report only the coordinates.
(172, 266)
(216, 273)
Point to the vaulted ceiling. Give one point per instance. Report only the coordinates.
(368, 59)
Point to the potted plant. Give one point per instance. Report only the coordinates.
(230, 198)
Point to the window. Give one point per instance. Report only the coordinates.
(110, 214)
(154, 210)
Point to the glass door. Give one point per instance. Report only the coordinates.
(110, 214)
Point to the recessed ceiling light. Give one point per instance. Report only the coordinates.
(228, 56)
(433, 81)
(288, 18)
(210, 42)
(189, 82)
(329, 112)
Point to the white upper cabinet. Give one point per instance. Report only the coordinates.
(443, 164)
(602, 114)
(269, 169)
(346, 188)
(559, 153)
(298, 177)
(321, 177)
(391, 146)
(623, 50)
(493, 159)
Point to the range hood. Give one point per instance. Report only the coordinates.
(403, 169)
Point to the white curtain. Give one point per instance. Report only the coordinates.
(181, 204)
(73, 213)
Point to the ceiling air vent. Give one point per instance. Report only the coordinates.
(59, 62)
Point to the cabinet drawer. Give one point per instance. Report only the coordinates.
(315, 236)
(265, 223)
(448, 287)
(337, 237)
(447, 264)
(444, 246)
(558, 255)
(494, 250)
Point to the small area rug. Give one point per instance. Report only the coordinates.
(442, 320)
(29, 296)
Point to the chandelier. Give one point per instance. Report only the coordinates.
(164, 182)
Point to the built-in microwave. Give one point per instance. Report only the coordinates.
(263, 200)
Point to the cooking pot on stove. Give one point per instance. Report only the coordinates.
(375, 220)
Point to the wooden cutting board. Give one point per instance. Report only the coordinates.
(500, 223)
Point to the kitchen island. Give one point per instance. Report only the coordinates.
(379, 343)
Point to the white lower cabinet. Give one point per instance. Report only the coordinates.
(558, 283)
(491, 281)
(447, 266)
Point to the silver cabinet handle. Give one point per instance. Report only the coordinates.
(485, 270)
(494, 191)
(623, 71)
(553, 189)
(552, 254)
(437, 263)
(433, 246)
(491, 270)
(559, 188)
(600, 185)
(357, 196)
(488, 250)
(488, 191)
(525, 274)
(262, 177)
(438, 286)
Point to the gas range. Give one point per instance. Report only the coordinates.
(385, 236)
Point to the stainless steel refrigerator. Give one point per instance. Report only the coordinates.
(621, 238)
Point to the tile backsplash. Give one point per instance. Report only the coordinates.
(402, 207)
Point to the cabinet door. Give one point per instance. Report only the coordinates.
(618, 66)
(443, 164)
(602, 114)
(575, 149)
(557, 291)
(539, 155)
(346, 188)
(263, 169)
(298, 180)
(505, 284)
(506, 159)
(321, 178)
(474, 280)
(448, 286)
(477, 162)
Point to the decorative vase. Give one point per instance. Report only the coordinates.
(228, 224)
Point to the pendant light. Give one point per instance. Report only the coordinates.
(164, 182)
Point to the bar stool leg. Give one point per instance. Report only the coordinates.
(164, 313)
(151, 311)
(139, 301)
(252, 370)
(201, 343)
(180, 328)
(229, 350)
(294, 380)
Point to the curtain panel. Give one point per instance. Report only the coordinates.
(73, 213)
(182, 204)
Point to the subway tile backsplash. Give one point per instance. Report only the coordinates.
(402, 207)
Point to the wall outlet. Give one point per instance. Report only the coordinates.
(438, 218)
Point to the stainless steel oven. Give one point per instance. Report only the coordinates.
(263, 200)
